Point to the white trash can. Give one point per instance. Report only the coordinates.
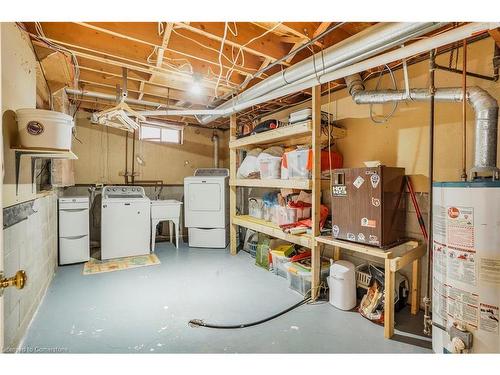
(40, 128)
(342, 284)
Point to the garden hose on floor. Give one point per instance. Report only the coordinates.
(201, 323)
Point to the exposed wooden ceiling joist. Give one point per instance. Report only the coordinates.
(253, 42)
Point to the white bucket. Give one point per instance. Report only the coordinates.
(40, 128)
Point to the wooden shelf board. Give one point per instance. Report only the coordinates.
(369, 250)
(287, 136)
(273, 136)
(271, 229)
(49, 153)
(272, 183)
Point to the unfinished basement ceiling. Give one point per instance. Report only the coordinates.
(181, 65)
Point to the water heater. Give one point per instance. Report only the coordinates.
(466, 267)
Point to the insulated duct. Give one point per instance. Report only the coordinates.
(485, 107)
(370, 42)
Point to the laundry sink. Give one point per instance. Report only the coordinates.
(165, 209)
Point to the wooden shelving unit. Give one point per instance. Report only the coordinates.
(394, 259)
(270, 229)
(305, 132)
(271, 183)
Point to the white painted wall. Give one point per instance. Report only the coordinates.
(31, 244)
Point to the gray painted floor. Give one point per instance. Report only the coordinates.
(147, 310)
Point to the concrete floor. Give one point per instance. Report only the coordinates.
(146, 310)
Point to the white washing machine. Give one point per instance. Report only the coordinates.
(206, 207)
(125, 222)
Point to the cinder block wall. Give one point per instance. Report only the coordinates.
(30, 245)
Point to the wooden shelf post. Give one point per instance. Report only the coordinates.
(316, 191)
(233, 228)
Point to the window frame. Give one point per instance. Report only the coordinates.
(161, 128)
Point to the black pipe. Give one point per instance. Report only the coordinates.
(470, 74)
(201, 323)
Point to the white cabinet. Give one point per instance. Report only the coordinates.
(74, 241)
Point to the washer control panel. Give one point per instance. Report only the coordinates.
(123, 192)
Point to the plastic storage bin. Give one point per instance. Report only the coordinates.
(342, 283)
(280, 264)
(299, 164)
(285, 215)
(270, 167)
(44, 129)
(300, 281)
(256, 208)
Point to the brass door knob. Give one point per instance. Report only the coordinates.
(18, 280)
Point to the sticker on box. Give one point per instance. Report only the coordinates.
(361, 237)
(375, 202)
(339, 191)
(358, 182)
(365, 222)
(374, 179)
(351, 237)
(335, 230)
(373, 239)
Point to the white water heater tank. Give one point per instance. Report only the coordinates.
(466, 264)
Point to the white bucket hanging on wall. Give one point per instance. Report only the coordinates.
(40, 128)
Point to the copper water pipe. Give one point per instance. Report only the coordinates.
(464, 112)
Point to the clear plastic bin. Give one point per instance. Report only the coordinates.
(256, 208)
(298, 164)
(268, 213)
(300, 281)
(280, 264)
(270, 167)
(285, 215)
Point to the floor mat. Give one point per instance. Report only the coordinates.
(97, 266)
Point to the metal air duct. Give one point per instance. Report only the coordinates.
(370, 42)
(485, 107)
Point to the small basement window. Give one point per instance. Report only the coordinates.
(154, 133)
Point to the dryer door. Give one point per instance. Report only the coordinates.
(204, 204)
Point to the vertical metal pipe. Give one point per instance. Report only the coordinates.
(464, 112)
(133, 158)
(427, 298)
(125, 173)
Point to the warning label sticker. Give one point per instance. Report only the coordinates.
(460, 227)
(489, 270)
(461, 265)
(439, 299)
(439, 223)
(439, 259)
(462, 305)
(489, 318)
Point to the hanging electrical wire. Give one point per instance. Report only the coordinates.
(382, 119)
(216, 95)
